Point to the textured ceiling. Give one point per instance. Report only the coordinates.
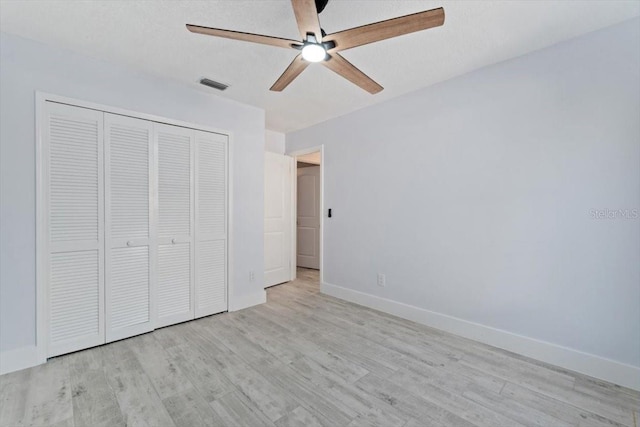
(151, 36)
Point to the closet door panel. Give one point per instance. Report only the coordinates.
(211, 152)
(74, 305)
(211, 223)
(212, 284)
(130, 257)
(129, 288)
(174, 284)
(175, 156)
(73, 202)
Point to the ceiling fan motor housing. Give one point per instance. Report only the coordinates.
(320, 5)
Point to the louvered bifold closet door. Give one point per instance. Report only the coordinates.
(129, 227)
(174, 148)
(211, 223)
(73, 204)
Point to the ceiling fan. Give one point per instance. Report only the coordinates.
(316, 46)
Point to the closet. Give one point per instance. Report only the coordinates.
(134, 224)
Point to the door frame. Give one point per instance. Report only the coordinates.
(294, 207)
(41, 98)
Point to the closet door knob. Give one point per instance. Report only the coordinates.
(173, 241)
(130, 243)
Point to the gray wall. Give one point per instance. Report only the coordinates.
(274, 142)
(27, 66)
(475, 196)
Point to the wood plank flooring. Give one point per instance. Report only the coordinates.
(306, 359)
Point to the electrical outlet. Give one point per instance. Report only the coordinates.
(382, 280)
(252, 276)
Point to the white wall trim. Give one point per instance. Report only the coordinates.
(19, 358)
(293, 233)
(564, 357)
(294, 206)
(230, 239)
(293, 213)
(246, 301)
(41, 232)
(43, 96)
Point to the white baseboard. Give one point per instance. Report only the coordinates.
(20, 358)
(564, 357)
(246, 301)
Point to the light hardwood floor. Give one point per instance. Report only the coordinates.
(306, 359)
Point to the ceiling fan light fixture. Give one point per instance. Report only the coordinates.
(314, 52)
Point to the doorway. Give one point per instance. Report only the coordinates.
(309, 211)
(293, 216)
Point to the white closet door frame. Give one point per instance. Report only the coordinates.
(44, 245)
(124, 243)
(42, 328)
(177, 240)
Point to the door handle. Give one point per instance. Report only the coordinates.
(130, 243)
(173, 241)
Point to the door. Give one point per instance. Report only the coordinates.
(73, 261)
(174, 153)
(308, 226)
(132, 226)
(211, 223)
(277, 218)
(130, 252)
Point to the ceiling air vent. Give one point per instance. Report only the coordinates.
(214, 84)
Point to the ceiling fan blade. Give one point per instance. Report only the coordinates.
(293, 70)
(347, 70)
(386, 29)
(247, 37)
(307, 18)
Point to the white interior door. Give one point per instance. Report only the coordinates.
(277, 218)
(308, 226)
(211, 223)
(175, 156)
(74, 236)
(130, 252)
